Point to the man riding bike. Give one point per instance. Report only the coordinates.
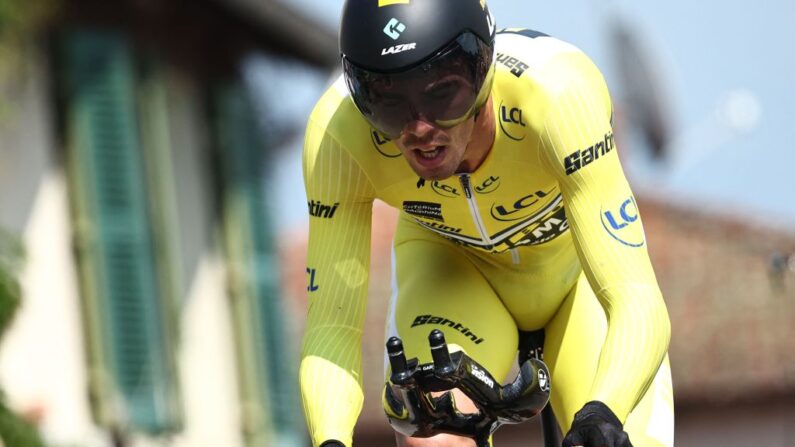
(498, 149)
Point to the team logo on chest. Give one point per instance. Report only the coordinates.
(425, 210)
(489, 185)
(452, 191)
(518, 209)
(445, 190)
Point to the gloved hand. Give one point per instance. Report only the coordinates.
(332, 443)
(595, 425)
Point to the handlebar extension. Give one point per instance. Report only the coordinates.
(413, 411)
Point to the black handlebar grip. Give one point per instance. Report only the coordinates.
(397, 359)
(442, 363)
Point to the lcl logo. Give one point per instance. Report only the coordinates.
(512, 116)
(622, 225)
(444, 190)
(488, 185)
(500, 212)
(380, 144)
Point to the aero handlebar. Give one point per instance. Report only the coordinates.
(413, 411)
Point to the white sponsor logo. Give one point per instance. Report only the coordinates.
(398, 48)
(482, 376)
(543, 381)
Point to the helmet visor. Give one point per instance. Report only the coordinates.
(444, 90)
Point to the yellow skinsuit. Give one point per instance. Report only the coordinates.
(544, 234)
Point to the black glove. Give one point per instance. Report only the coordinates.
(595, 425)
(332, 443)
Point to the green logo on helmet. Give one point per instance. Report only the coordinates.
(394, 28)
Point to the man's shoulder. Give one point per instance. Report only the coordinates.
(523, 49)
(552, 65)
(335, 117)
(335, 111)
(335, 124)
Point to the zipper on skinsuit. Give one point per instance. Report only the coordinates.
(515, 256)
(473, 209)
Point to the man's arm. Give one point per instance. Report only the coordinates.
(579, 148)
(340, 199)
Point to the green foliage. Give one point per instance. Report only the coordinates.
(20, 20)
(18, 17)
(16, 432)
(11, 255)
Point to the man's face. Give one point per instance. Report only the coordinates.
(433, 152)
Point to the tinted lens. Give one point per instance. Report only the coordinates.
(443, 90)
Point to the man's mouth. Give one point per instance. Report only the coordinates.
(428, 158)
(429, 154)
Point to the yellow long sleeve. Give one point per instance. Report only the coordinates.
(340, 204)
(579, 148)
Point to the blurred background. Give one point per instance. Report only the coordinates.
(153, 220)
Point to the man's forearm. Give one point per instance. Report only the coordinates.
(331, 388)
(637, 339)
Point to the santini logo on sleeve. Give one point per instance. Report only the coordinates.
(317, 209)
(582, 158)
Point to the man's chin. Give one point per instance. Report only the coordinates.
(433, 174)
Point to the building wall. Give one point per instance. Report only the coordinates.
(26, 136)
(42, 367)
(45, 355)
(43, 361)
(732, 309)
(207, 365)
(206, 351)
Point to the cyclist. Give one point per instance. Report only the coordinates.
(515, 215)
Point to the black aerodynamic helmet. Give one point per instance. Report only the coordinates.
(417, 59)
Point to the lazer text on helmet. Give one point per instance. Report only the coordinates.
(398, 48)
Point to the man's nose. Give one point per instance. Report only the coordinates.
(418, 128)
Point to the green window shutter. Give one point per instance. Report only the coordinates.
(271, 411)
(132, 373)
